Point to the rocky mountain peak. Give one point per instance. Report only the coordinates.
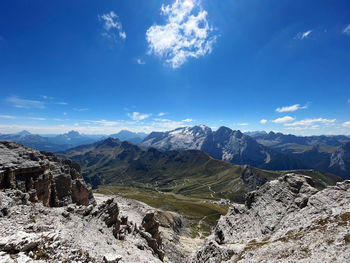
(24, 133)
(223, 131)
(72, 133)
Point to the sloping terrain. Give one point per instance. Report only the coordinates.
(286, 220)
(191, 173)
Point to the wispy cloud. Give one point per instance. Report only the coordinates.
(263, 121)
(25, 103)
(348, 100)
(242, 124)
(284, 119)
(346, 30)
(187, 120)
(162, 114)
(310, 122)
(61, 103)
(346, 124)
(79, 109)
(292, 108)
(303, 35)
(136, 116)
(36, 118)
(113, 28)
(185, 35)
(7, 117)
(140, 61)
(105, 122)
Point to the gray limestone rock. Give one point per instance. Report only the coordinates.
(286, 220)
(42, 176)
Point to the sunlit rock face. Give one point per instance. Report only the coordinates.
(285, 220)
(46, 178)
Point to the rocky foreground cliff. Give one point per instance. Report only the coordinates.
(44, 177)
(286, 220)
(48, 214)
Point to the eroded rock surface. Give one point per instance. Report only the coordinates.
(47, 179)
(286, 220)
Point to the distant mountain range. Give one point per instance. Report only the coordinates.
(61, 142)
(51, 144)
(134, 137)
(273, 151)
(223, 144)
(190, 172)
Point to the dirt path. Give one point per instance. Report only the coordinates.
(200, 222)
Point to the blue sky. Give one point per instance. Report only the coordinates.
(102, 66)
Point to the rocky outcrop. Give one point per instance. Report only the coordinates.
(115, 230)
(251, 178)
(340, 161)
(152, 234)
(46, 178)
(286, 220)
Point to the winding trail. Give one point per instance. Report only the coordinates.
(200, 222)
(209, 187)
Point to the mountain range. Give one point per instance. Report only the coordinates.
(125, 135)
(61, 142)
(273, 151)
(189, 172)
(51, 144)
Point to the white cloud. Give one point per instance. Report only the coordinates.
(303, 35)
(136, 116)
(284, 119)
(347, 30)
(346, 124)
(263, 121)
(105, 122)
(140, 61)
(185, 35)
(25, 103)
(61, 103)
(112, 26)
(242, 124)
(7, 117)
(187, 120)
(162, 114)
(292, 108)
(311, 122)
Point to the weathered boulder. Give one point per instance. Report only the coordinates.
(46, 178)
